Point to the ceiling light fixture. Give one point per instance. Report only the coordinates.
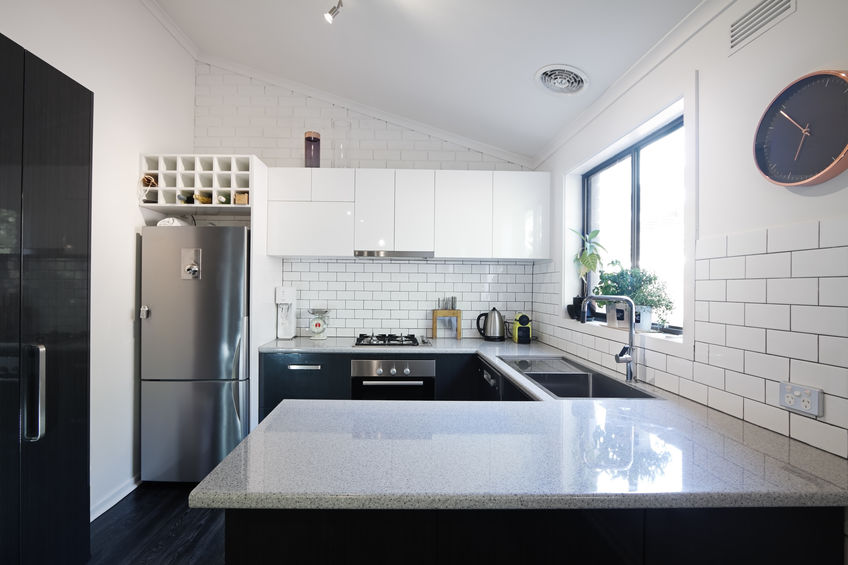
(331, 14)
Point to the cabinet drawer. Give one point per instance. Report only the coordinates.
(300, 375)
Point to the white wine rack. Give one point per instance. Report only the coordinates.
(196, 184)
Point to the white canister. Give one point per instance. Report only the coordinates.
(643, 318)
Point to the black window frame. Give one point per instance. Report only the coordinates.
(634, 152)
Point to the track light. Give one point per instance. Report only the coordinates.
(333, 12)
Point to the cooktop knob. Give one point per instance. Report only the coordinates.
(393, 371)
(406, 371)
(379, 371)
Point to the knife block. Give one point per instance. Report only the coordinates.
(448, 314)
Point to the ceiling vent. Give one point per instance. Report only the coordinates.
(757, 21)
(561, 79)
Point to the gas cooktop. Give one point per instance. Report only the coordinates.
(387, 339)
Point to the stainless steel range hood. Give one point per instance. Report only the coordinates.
(393, 254)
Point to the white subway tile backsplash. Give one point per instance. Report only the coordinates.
(831, 262)
(750, 339)
(666, 381)
(821, 435)
(709, 375)
(793, 237)
(792, 291)
(825, 320)
(833, 291)
(655, 360)
(709, 333)
(746, 243)
(832, 380)
(710, 290)
(835, 411)
(679, 367)
(770, 367)
(725, 402)
(766, 416)
(769, 266)
(727, 268)
(749, 290)
(792, 344)
(745, 385)
(702, 311)
(708, 247)
(693, 391)
(833, 232)
(727, 313)
(726, 357)
(833, 350)
(702, 269)
(702, 352)
(767, 316)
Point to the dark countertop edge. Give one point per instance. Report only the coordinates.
(437, 501)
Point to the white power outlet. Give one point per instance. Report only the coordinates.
(801, 399)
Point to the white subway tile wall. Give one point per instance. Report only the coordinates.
(771, 305)
(239, 114)
(399, 296)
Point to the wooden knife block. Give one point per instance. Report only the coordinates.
(448, 314)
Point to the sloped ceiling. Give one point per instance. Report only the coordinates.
(466, 67)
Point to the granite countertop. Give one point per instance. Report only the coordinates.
(582, 453)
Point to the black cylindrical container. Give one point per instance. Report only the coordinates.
(312, 148)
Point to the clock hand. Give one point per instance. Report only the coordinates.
(804, 133)
(785, 115)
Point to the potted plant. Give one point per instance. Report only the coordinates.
(587, 260)
(646, 290)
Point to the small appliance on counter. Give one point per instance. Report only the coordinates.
(521, 330)
(286, 298)
(493, 325)
(318, 324)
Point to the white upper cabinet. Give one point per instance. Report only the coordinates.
(290, 184)
(375, 210)
(332, 185)
(310, 228)
(520, 212)
(463, 214)
(415, 195)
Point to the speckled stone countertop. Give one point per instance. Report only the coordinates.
(582, 453)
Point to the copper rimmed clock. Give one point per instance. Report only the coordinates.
(802, 138)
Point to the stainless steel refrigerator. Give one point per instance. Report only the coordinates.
(194, 387)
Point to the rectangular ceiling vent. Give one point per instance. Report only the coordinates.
(757, 21)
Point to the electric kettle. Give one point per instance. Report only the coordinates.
(493, 325)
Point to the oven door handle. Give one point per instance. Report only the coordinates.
(393, 383)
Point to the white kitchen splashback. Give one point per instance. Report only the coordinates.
(398, 296)
(771, 306)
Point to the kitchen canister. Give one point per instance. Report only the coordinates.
(312, 149)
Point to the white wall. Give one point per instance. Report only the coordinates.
(724, 97)
(143, 84)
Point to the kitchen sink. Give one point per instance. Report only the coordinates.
(585, 385)
(565, 379)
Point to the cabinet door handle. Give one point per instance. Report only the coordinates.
(393, 383)
(41, 398)
(304, 367)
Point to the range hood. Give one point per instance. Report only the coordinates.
(393, 254)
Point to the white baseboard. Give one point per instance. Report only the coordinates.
(113, 497)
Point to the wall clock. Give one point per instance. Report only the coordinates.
(802, 138)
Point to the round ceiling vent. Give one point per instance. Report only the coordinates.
(561, 79)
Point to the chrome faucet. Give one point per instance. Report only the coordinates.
(626, 354)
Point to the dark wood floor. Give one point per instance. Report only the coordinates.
(153, 524)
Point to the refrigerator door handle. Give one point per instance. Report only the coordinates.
(40, 393)
(240, 366)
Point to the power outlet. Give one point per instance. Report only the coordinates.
(802, 399)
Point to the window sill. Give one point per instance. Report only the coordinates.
(676, 345)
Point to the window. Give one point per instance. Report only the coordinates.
(636, 200)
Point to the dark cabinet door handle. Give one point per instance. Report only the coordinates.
(304, 367)
(38, 397)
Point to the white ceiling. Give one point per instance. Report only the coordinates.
(462, 66)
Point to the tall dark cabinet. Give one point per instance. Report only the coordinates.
(45, 203)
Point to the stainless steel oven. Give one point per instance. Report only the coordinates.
(393, 379)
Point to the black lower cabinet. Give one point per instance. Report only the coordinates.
(301, 375)
(723, 536)
(45, 195)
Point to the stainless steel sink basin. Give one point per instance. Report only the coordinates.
(585, 385)
(565, 379)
